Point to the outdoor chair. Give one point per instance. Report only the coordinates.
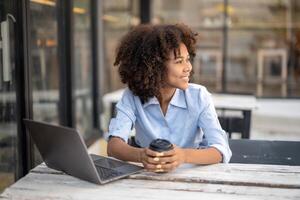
(237, 123)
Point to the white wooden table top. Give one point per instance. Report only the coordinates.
(220, 181)
(233, 101)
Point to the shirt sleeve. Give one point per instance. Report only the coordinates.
(122, 124)
(208, 121)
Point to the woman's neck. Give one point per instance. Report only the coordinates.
(165, 97)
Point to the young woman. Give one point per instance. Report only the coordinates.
(155, 63)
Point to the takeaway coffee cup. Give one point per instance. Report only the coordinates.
(160, 145)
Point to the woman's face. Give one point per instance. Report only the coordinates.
(178, 69)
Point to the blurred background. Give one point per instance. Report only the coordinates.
(56, 66)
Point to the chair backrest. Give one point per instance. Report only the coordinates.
(236, 123)
(265, 152)
(233, 125)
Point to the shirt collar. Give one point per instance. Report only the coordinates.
(152, 100)
(178, 100)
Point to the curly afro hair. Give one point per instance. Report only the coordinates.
(143, 53)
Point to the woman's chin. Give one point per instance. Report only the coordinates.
(184, 86)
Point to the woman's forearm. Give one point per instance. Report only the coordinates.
(202, 156)
(119, 149)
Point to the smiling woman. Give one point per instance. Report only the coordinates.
(154, 61)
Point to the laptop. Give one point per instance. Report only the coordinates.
(63, 149)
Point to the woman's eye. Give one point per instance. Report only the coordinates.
(188, 60)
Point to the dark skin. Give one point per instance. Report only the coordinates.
(161, 162)
(179, 69)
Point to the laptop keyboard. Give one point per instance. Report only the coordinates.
(107, 173)
(105, 168)
(108, 163)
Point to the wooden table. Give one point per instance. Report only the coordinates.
(234, 101)
(220, 181)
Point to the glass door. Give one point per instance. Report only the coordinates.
(8, 124)
(44, 63)
(83, 67)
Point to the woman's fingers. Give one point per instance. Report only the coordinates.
(149, 167)
(162, 166)
(151, 153)
(171, 166)
(168, 153)
(161, 161)
(166, 167)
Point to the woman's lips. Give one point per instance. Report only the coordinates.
(186, 78)
(186, 75)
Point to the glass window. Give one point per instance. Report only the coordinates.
(44, 59)
(82, 67)
(207, 65)
(261, 58)
(118, 17)
(8, 126)
(197, 14)
(265, 40)
(294, 56)
(44, 63)
(250, 50)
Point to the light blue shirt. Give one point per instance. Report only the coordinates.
(190, 121)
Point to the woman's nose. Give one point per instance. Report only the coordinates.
(188, 67)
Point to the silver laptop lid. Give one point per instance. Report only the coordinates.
(63, 149)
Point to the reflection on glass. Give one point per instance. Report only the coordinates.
(118, 17)
(44, 59)
(8, 126)
(45, 72)
(268, 14)
(207, 65)
(196, 14)
(83, 67)
(257, 43)
(243, 58)
(274, 25)
(294, 52)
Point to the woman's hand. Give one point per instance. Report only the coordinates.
(147, 158)
(162, 161)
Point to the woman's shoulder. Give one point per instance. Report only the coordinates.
(197, 96)
(128, 98)
(127, 92)
(194, 86)
(197, 90)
